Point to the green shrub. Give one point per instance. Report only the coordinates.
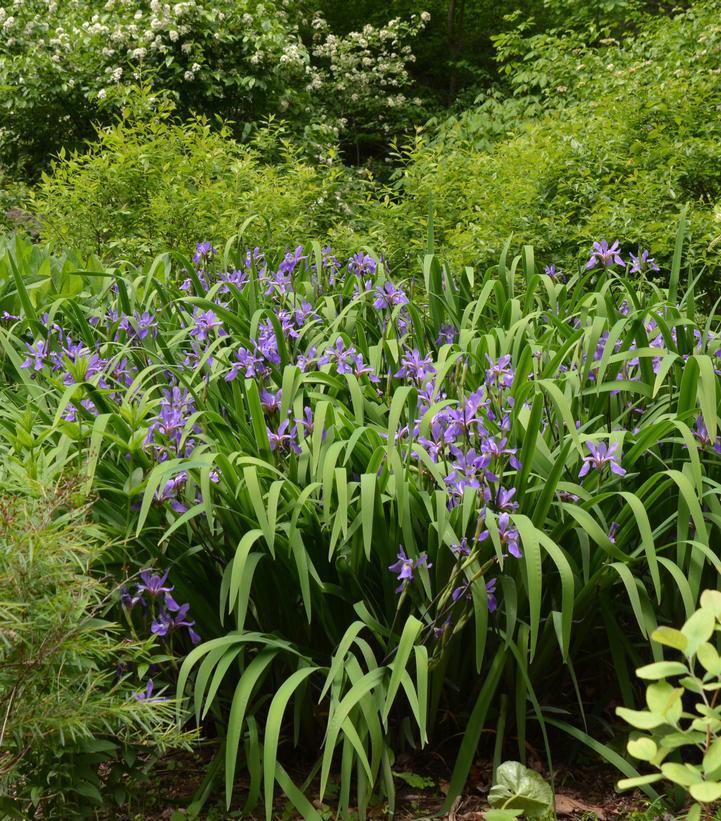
(13, 202)
(614, 141)
(66, 706)
(153, 184)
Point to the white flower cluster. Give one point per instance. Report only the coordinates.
(331, 85)
(365, 71)
(81, 36)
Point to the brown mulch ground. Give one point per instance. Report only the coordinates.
(583, 793)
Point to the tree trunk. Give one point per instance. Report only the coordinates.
(456, 15)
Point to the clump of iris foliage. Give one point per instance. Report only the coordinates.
(402, 505)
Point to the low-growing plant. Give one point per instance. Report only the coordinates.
(519, 791)
(680, 731)
(75, 718)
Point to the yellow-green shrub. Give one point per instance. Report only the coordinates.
(630, 132)
(153, 183)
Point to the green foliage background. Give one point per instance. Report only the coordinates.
(616, 139)
(608, 137)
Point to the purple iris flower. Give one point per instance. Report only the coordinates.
(37, 355)
(461, 549)
(71, 411)
(500, 373)
(175, 408)
(9, 317)
(139, 325)
(304, 313)
(290, 261)
(270, 402)
(601, 455)
(306, 360)
(438, 632)
(465, 591)
(432, 448)
(362, 287)
(478, 400)
(642, 263)
(257, 259)
(189, 285)
(496, 448)
(701, 434)
(416, 367)
(153, 584)
(362, 264)
(307, 421)
(194, 356)
(428, 393)
(74, 350)
(249, 364)
(491, 595)
(53, 327)
(267, 344)
(328, 262)
(172, 618)
(612, 531)
(507, 534)
(204, 323)
(123, 372)
(468, 468)
(403, 322)
(170, 491)
(287, 325)
(554, 273)
(602, 255)
(146, 695)
(388, 296)
(84, 366)
(359, 368)
(283, 438)
(128, 600)
(458, 423)
(338, 355)
(237, 278)
(504, 500)
(279, 283)
(447, 335)
(404, 567)
(203, 252)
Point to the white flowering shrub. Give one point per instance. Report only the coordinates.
(66, 65)
(363, 81)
